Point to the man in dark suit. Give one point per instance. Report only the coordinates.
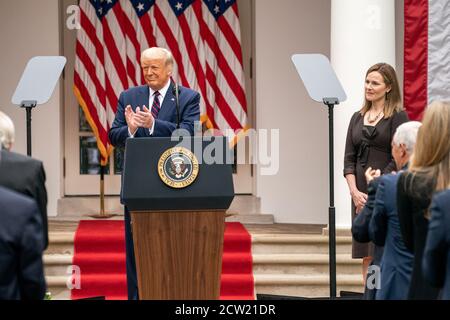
(150, 111)
(384, 228)
(21, 248)
(380, 215)
(436, 257)
(21, 173)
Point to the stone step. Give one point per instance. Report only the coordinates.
(284, 264)
(60, 243)
(314, 244)
(310, 286)
(75, 208)
(57, 264)
(251, 218)
(304, 264)
(57, 286)
(244, 218)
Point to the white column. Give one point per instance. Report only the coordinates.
(362, 34)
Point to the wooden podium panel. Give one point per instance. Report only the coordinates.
(178, 254)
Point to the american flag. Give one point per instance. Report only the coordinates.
(203, 36)
(426, 58)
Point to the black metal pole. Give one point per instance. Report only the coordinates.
(29, 130)
(102, 189)
(331, 209)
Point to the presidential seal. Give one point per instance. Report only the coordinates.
(178, 167)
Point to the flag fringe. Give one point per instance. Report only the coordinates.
(104, 151)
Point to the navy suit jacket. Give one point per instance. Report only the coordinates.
(436, 257)
(384, 230)
(165, 123)
(21, 248)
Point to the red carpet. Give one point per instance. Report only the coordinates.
(100, 254)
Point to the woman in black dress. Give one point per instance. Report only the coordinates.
(429, 171)
(369, 140)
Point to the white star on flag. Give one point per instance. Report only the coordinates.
(179, 6)
(140, 6)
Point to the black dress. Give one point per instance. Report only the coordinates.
(369, 146)
(414, 194)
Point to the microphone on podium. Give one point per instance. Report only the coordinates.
(176, 92)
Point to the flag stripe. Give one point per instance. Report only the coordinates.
(89, 66)
(93, 96)
(133, 50)
(96, 36)
(171, 42)
(93, 50)
(198, 68)
(148, 31)
(438, 51)
(211, 41)
(416, 57)
(222, 104)
(91, 106)
(231, 38)
(114, 53)
(99, 54)
(89, 30)
(232, 103)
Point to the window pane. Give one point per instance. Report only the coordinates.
(84, 125)
(90, 157)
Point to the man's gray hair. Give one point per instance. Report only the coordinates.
(158, 51)
(406, 134)
(7, 133)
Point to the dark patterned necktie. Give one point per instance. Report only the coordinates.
(156, 105)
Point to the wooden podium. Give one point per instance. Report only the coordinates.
(177, 231)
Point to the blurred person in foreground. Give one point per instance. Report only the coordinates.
(428, 172)
(22, 174)
(21, 247)
(436, 256)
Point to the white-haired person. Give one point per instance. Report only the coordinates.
(22, 174)
(21, 247)
(384, 229)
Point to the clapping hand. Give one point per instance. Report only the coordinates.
(372, 174)
(139, 119)
(144, 118)
(130, 117)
